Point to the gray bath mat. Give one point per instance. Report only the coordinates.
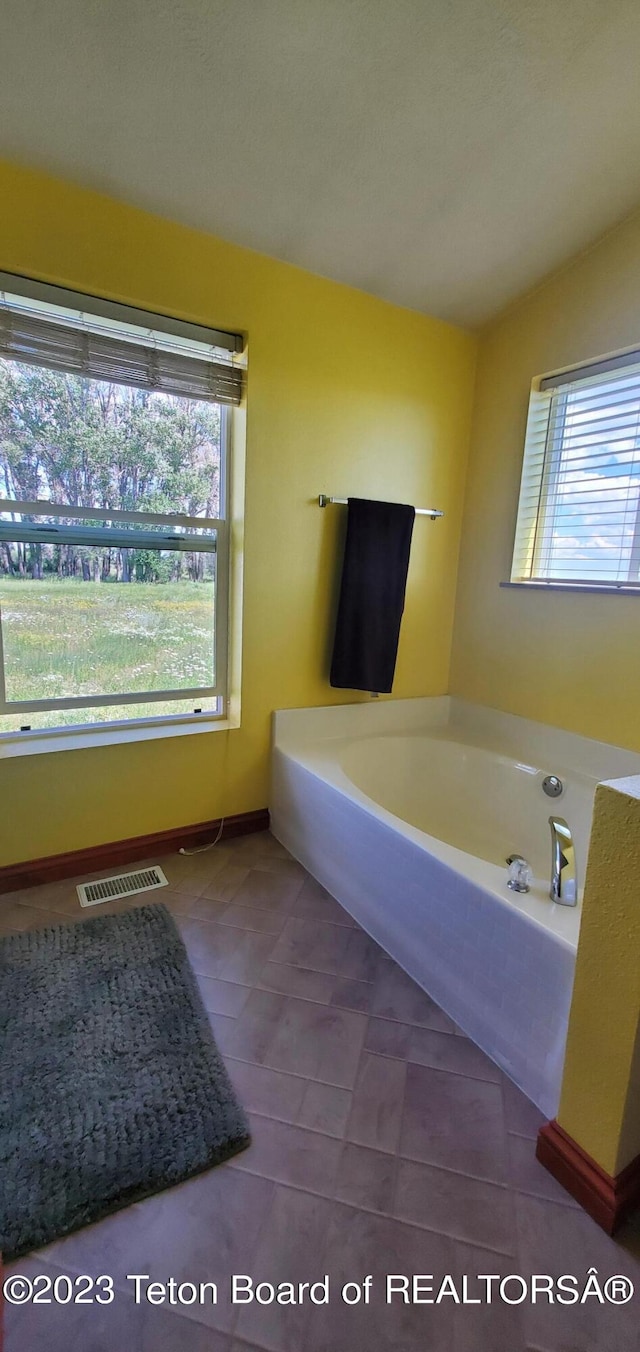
(111, 1086)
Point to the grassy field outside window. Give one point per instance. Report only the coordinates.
(86, 621)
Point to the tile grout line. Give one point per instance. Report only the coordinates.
(383, 1215)
(406, 1061)
(508, 1186)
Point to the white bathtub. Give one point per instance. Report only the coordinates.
(405, 811)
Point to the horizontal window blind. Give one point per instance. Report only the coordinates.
(579, 509)
(86, 345)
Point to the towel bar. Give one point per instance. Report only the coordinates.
(324, 500)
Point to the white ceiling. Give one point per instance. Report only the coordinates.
(444, 154)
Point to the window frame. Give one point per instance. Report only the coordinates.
(181, 536)
(531, 538)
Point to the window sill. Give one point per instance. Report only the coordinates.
(592, 589)
(80, 739)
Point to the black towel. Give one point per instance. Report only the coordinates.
(374, 579)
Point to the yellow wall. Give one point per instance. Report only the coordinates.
(347, 394)
(600, 1103)
(566, 659)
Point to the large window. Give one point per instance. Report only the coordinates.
(114, 450)
(579, 512)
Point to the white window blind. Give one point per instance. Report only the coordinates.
(86, 344)
(579, 510)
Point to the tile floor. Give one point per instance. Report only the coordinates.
(384, 1141)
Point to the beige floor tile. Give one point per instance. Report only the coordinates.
(223, 997)
(269, 1092)
(360, 1089)
(267, 890)
(527, 1175)
(563, 1239)
(318, 1042)
(225, 884)
(315, 903)
(428, 1047)
(398, 997)
(313, 944)
(376, 1109)
(292, 1242)
(204, 1229)
(454, 1122)
(252, 918)
(255, 1028)
(366, 1178)
(325, 1108)
(301, 981)
(462, 1207)
(224, 952)
(388, 1038)
(351, 994)
(291, 1154)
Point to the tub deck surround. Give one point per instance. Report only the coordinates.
(405, 811)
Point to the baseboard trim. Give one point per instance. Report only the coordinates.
(607, 1198)
(54, 867)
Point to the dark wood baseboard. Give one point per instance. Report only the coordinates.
(51, 869)
(606, 1198)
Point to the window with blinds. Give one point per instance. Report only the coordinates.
(579, 511)
(115, 442)
(143, 354)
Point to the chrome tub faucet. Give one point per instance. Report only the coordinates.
(564, 882)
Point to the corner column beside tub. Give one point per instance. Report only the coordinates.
(406, 811)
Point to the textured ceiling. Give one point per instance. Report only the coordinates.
(444, 154)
